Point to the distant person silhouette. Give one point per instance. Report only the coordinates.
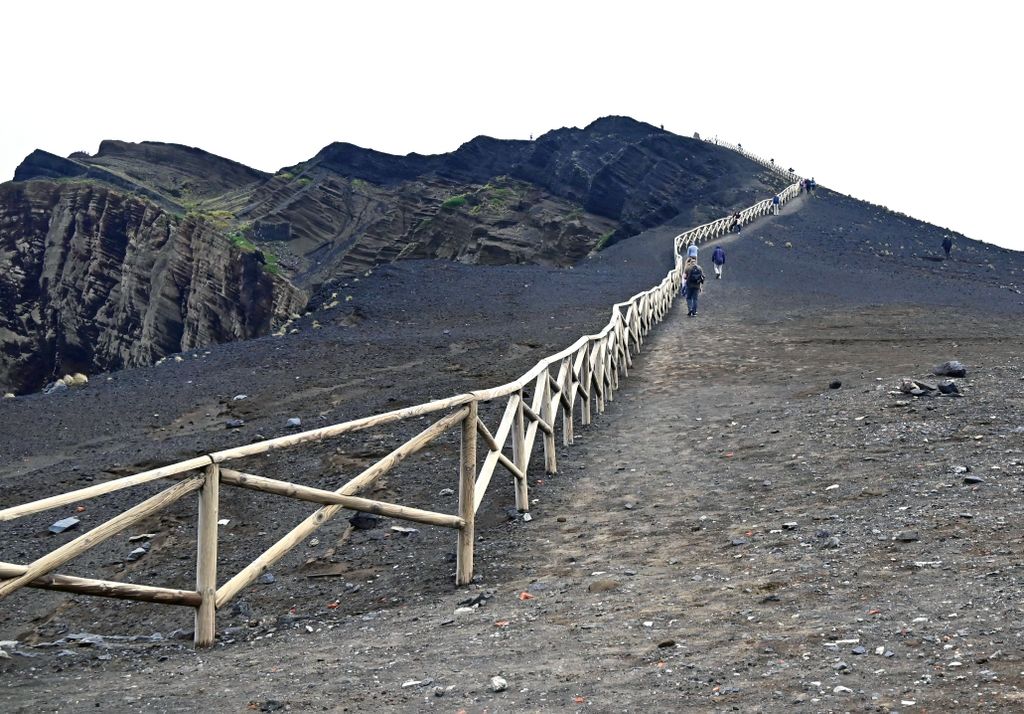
(735, 222)
(694, 281)
(947, 245)
(691, 252)
(718, 260)
(776, 202)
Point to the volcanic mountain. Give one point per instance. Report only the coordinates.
(145, 250)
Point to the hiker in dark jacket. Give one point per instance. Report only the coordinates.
(694, 281)
(947, 244)
(718, 259)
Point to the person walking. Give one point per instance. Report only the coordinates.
(718, 260)
(947, 245)
(776, 202)
(694, 281)
(691, 252)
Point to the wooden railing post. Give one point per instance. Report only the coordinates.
(520, 458)
(548, 414)
(467, 498)
(206, 558)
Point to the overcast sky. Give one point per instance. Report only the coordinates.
(912, 105)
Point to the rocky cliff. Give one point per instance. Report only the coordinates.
(141, 250)
(93, 279)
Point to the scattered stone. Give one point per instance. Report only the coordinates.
(365, 522)
(791, 525)
(527, 517)
(948, 387)
(464, 610)
(446, 492)
(138, 553)
(973, 480)
(64, 524)
(667, 643)
(951, 368)
(907, 536)
(835, 384)
(87, 639)
(831, 543)
(628, 506)
(141, 536)
(417, 683)
(294, 422)
(859, 650)
(840, 666)
(738, 541)
(55, 387)
(404, 530)
(840, 689)
(234, 423)
(267, 579)
(961, 469)
(239, 397)
(498, 684)
(603, 586)
(8, 395)
(223, 521)
(4, 655)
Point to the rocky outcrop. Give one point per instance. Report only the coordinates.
(92, 279)
(145, 249)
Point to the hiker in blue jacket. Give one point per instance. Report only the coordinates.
(776, 202)
(718, 259)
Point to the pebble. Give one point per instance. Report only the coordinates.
(294, 421)
(973, 479)
(64, 524)
(842, 690)
(498, 684)
(138, 553)
(267, 579)
(446, 492)
(239, 397)
(907, 536)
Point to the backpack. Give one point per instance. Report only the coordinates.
(695, 278)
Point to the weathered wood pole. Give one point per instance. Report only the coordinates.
(467, 498)
(520, 458)
(206, 558)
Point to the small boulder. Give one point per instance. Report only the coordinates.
(64, 524)
(835, 384)
(948, 386)
(951, 368)
(498, 684)
(294, 422)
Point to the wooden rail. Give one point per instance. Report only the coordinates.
(584, 375)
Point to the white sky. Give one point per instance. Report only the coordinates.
(913, 105)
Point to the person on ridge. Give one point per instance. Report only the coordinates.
(947, 245)
(694, 281)
(718, 260)
(776, 202)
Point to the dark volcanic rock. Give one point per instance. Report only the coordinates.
(94, 280)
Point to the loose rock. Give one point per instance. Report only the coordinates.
(498, 684)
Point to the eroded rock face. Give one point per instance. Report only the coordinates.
(91, 280)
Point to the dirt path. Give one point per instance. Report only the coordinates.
(730, 535)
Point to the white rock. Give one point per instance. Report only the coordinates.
(9, 395)
(842, 690)
(239, 397)
(464, 610)
(498, 684)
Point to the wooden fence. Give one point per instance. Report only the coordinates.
(583, 377)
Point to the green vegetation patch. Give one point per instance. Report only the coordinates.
(603, 240)
(455, 202)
